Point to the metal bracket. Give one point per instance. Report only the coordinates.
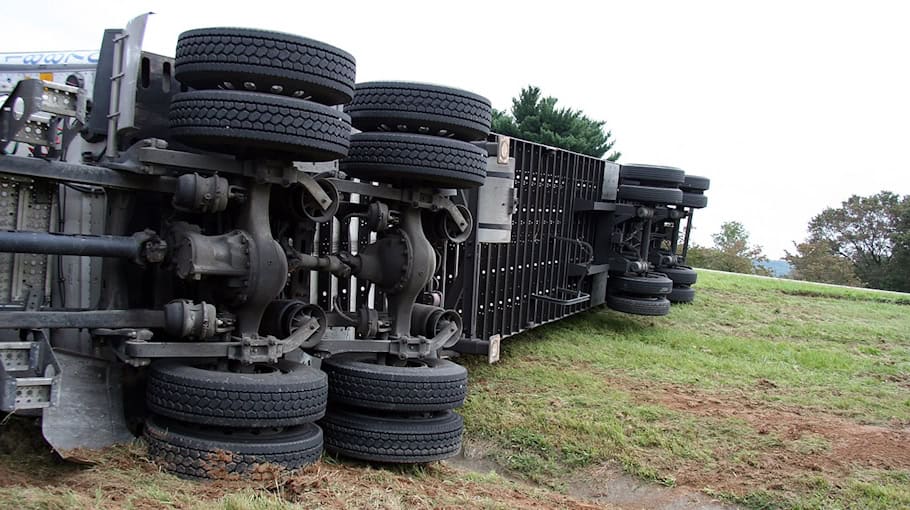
(249, 349)
(422, 198)
(34, 110)
(564, 297)
(151, 156)
(29, 373)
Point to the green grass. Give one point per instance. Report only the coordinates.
(577, 393)
(740, 395)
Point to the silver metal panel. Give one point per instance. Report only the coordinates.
(24, 205)
(89, 412)
(496, 199)
(611, 181)
(132, 53)
(14, 356)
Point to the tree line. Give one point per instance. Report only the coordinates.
(863, 243)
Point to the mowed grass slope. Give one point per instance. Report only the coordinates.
(769, 393)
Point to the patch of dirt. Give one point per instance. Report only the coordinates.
(440, 487)
(607, 485)
(837, 446)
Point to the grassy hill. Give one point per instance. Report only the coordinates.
(766, 393)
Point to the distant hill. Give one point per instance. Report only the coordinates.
(778, 268)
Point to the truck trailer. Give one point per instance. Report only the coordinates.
(246, 257)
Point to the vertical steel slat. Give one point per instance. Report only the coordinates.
(546, 233)
(540, 170)
(553, 196)
(567, 219)
(528, 232)
(514, 260)
(489, 298)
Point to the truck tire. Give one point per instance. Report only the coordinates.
(681, 275)
(681, 294)
(255, 124)
(654, 306)
(648, 194)
(360, 382)
(263, 61)
(695, 183)
(390, 438)
(652, 174)
(291, 395)
(651, 284)
(694, 200)
(420, 108)
(415, 160)
(201, 453)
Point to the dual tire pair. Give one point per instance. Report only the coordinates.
(213, 424)
(661, 185)
(639, 294)
(683, 278)
(395, 414)
(262, 94)
(651, 293)
(417, 134)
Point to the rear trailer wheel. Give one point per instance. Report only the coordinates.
(262, 61)
(394, 439)
(681, 294)
(420, 108)
(207, 453)
(252, 124)
(666, 175)
(695, 183)
(289, 394)
(651, 284)
(694, 200)
(681, 275)
(415, 160)
(649, 194)
(362, 382)
(654, 306)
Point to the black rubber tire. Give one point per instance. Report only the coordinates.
(652, 174)
(415, 160)
(392, 439)
(681, 275)
(256, 124)
(655, 306)
(651, 284)
(205, 453)
(694, 200)
(420, 108)
(649, 195)
(695, 183)
(681, 294)
(294, 395)
(358, 381)
(208, 58)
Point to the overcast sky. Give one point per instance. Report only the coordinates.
(788, 107)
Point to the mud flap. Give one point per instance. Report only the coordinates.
(89, 410)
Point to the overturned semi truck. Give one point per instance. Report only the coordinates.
(246, 257)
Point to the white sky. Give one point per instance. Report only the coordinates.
(788, 107)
